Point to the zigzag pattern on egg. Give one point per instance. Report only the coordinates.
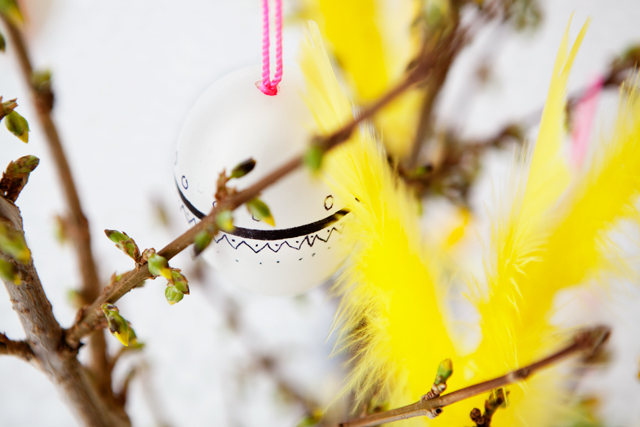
(310, 240)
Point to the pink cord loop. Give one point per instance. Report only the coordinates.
(268, 86)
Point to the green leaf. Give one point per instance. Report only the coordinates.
(118, 326)
(224, 220)
(12, 244)
(9, 272)
(125, 243)
(3, 43)
(158, 266)
(260, 211)
(313, 158)
(17, 125)
(243, 168)
(173, 294)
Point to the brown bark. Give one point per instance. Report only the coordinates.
(75, 220)
(46, 340)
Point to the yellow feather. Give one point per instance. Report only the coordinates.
(389, 317)
(524, 278)
(372, 43)
(603, 196)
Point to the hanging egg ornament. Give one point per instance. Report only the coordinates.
(231, 122)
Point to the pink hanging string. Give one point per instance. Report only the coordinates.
(268, 86)
(583, 117)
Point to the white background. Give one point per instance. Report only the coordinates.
(125, 73)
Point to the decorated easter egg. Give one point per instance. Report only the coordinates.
(231, 122)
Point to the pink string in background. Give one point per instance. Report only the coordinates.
(583, 118)
(269, 87)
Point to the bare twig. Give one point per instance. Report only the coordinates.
(21, 349)
(75, 220)
(585, 341)
(89, 318)
(450, 45)
(46, 341)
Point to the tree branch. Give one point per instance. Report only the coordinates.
(587, 341)
(75, 220)
(88, 319)
(21, 349)
(46, 341)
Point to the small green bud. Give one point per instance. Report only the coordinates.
(313, 158)
(16, 176)
(12, 244)
(260, 211)
(133, 338)
(17, 125)
(23, 166)
(179, 281)
(497, 399)
(10, 9)
(3, 43)
(311, 420)
(125, 243)
(173, 294)
(60, 230)
(445, 370)
(9, 272)
(7, 106)
(41, 79)
(158, 266)
(118, 326)
(224, 220)
(631, 53)
(202, 241)
(75, 298)
(243, 168)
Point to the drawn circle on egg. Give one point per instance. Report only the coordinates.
(328, 202)
(285, 233)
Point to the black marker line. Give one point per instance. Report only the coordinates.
(285, 233)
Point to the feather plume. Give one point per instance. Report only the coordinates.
(389, 318)
(526, 275)
(370, 41)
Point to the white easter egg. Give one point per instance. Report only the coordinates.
(231, 122)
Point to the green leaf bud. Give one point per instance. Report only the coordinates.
(17, 125)
(445, 370)
(118, 326)
(260, 211)
(158, 266)
(124, 243)
(179, 281)
(224, 220)
(9, 272)
(173, 294)
(313, 158)
(12, 244)
(243, 168)
(202, 241)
